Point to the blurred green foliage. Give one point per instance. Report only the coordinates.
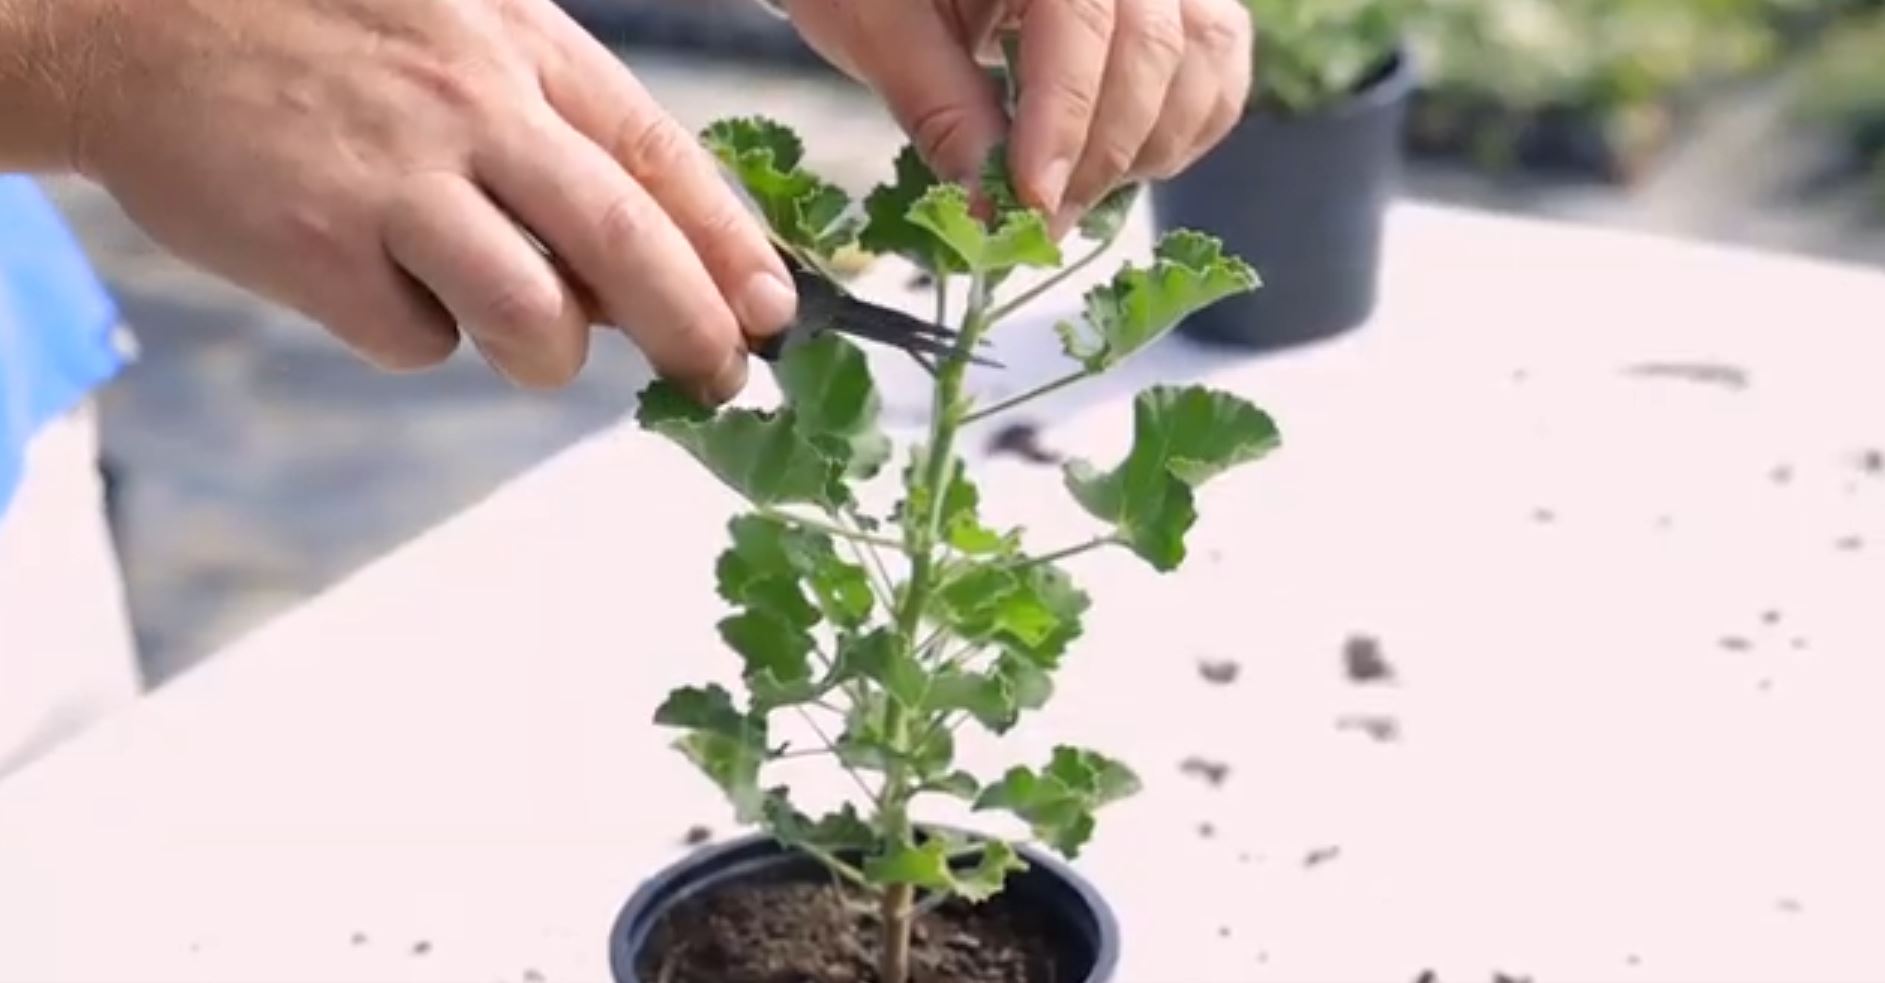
(1312, 55)
(1842, 85)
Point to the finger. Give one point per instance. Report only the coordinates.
(921, 65)
(1148, 48)
(1065, 45)
(591, 89)
(1209, 95)
(388, 318)
(622, 247)
(502, 291)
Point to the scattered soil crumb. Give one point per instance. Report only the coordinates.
(1633, 960)
(1243, 858)
(1024, 441)
(1781, 475)
(1223, 931)
(1850, 544)
(1218, 672)
(1544, 517)
(1505, 978)
(1213, 772)
(421, 948)
(1665, 522)
(1321, 855)
(1735, 643)
(1799, 644)
(359, 938)
(1872, 461)
(196, 948)
(1702, 373)
(1521, 375)
(1771, 616)
(1206, 831)
(1361, 655)
(1789, 906)
(696, 835)
(1427, 976)
(1262, 957)
(1381, 728)
(921, 280)
(1214, 556)
(1765, 685)
(532, 976)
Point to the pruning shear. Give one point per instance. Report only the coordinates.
(824, 305)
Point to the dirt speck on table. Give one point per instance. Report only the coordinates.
(1218, 672)
(1363, 661)
(1719, 374)
(1771, 616)
(696, 835)
(532, 976)
(1379, 727)
(1872, 461)
(1734, 643)
(1207, 831)
(1321, 855)
(1212, 772)
(1850, 544)
(1544, 516)
(1781, 475)
(358, 939)
(421, 948)
(1023, 440)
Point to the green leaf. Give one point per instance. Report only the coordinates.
(989, 698)
(1103, 221)
(997, 181)
(777, 657)
(1189, 272)
(1182, 437)
(827, 383)
(728, 746)
(771, 558)
(961, 525)
(960, 784)
(802, 208)
(928, 867)
(763, 456)
(889, 231)
(1021, 238)
(838, 832)
(1058, 802)
(710, 709)
(1031, 610)
(882, 658)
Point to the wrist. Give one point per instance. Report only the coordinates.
(49, 54)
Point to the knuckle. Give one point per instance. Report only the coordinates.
(408, 348)
(1160, 33)
(941, 131)
(1077, 101)
(621, 224)
(652, 146)
(1096, 16)
(523, 304)
(456, 84)
(1220, 26)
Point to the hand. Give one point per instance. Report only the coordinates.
(376, 164)
(1111, 90)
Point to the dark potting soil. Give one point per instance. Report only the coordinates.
(810, 933)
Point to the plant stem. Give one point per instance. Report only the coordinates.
(920, 544)
(830, 860)
(1032, 394)
(1033, 293)
(1071, 551)
(807, 522)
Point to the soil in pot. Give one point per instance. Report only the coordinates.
(808, 932)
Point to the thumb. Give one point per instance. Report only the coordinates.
(924, 68)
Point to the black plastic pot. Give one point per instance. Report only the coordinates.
(1085, 935)
(1301, 198)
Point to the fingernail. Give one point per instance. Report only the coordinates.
(731, 378)
(765, 305)
(1054, 178)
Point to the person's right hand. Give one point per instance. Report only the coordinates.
(373, 163)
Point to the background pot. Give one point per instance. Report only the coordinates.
(1301, 199)
(1086, 934)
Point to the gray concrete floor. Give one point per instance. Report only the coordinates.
(261, 463)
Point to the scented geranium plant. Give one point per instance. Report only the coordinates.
(888, 626)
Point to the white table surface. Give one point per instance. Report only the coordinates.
(452, 748)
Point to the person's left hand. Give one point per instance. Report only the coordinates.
(1111, 90)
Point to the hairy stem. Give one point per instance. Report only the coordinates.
(1033, 394)
(1071, 551)
(920, 534)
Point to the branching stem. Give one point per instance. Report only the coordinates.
(819, 525)
(1027, 397)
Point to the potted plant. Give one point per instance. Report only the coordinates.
(1299, 188)
(876, 613)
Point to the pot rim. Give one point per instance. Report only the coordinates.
(1394, 82)
(669, 883)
